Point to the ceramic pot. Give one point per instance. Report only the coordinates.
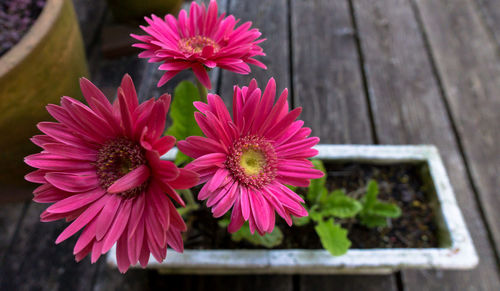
(45, 65)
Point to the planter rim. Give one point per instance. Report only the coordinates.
(32, 37)
(460, 254)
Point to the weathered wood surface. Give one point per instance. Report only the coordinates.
(409, 109)
(10, 215)
(491, 16)
(221, 282)
(34, 262)
(271, 18)
(347, 283)
(90, 15)
(469, 66)
(327, 83)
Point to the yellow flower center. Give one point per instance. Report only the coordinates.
(252, 161)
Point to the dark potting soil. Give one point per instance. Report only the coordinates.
(16, 17)
(403, 184)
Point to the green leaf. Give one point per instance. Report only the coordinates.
(333, 237)
(322, 198)
(269, 240)
(341, 206)
(315, 214)
(369, 220)
(182, 115)
(181, 158)
(224, 222)
(375, 212)
(385, 210)
(371, 194)
(316, 187)
(300, 221)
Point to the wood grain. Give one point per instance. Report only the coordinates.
(491, 16)
(347, 282)
(469, 65)
(328, 84)
(34, 262)
(408, 108)
(109, 278)
(90, 15)
(270, 17)
(221, 282)
(10, 215)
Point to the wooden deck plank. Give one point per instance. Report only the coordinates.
(491, 16)
(347, 282)
(34, 262)
(221, 282)
(90, 15)
(10, 216)
(270, 17)
(328, 84)
(109, 279)
(468, 62)
(409, 109)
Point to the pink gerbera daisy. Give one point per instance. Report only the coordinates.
(199, 41)
(247, 161)
(101, 166)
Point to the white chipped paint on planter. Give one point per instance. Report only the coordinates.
(458, 253)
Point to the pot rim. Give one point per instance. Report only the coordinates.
(32, 37)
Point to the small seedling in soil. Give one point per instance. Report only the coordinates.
(344, 203)
(329, 210)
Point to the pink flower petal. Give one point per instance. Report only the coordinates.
(237, 219)
(116, 230)
(131, 180)
(129, 91)
(122, 254)
(174, 240)
(72, 182)
(75, 202)
(185, 180)
(83, 219)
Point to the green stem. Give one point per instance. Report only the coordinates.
(190, 201)
(203, 91)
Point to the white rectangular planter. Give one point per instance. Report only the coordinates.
(457, 251)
